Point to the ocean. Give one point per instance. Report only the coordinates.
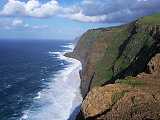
(37, 82)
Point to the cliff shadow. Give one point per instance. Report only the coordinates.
(138, 65)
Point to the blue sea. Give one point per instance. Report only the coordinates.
(37, 82)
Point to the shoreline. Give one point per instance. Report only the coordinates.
(75, 76)
(62, 97)
(73, 80)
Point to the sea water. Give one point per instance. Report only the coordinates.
(37, 82)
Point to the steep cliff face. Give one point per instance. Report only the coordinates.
(89, 50)
(132, 98)
(120, 73)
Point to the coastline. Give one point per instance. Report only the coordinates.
(75, 81)
(71, 78)
(62, 98)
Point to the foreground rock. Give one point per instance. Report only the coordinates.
(133, 98)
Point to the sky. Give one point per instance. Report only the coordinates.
(67, 19)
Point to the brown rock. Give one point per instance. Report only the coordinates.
(154, 65)
(121, 101)
(134, 104)
(100, 99)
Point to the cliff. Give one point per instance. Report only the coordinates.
(120, 71)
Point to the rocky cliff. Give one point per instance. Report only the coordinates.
(120, 71)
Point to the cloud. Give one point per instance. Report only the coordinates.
(31, 8)
(13, 7)
(11, 24)
(35, 9)
(83, 18)
(17, 22)
(111, 11)
(119, 10)
(108, 11)
(76, 13)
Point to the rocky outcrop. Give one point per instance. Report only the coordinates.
(154, 65)
(100, 100)
(132, 105)
(120, 71)
(134, 98)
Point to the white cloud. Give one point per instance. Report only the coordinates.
(76, 13)
(83, 18)
(86, 11)
(11, 23)
(17, 23)
(13, 7)
(111, 11)
(35, 9)
(31, 8)
(31, 5)
(119, 10)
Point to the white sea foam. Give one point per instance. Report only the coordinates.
(25, 115)
(38, 96)
(71, 46)
(62, 96)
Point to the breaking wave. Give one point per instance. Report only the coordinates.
(62, 96)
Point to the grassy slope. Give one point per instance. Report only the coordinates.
(153, 19)
(123, 48)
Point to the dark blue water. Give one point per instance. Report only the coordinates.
(24, 67)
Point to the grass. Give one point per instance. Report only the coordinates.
(104, 66)
(131, 82)
(117, 96)
(111, 65)
(89, 38)
(116, 59)
(153, 19)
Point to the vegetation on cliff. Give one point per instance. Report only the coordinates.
(127, 58)
(127, 54)
(117, 52)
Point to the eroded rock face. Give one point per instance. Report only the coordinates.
(135, 105)
(100, 99)
(116, 102)
(128, 100)
(154, 65)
